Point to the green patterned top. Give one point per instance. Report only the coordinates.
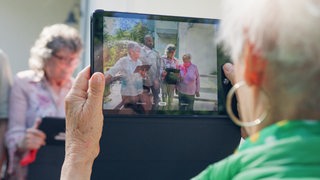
(285, 150)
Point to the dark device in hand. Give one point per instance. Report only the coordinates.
(112, 31)
(172, 76)
(161, 143)
(144, 67)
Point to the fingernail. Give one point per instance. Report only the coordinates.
(228, 67)
(98, 78)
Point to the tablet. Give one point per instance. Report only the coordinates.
(144, 67)
(54, 128)
(111, 34)
(144, 148)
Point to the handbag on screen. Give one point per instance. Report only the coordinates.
(172, 76)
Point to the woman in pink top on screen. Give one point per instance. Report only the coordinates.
(40, 92)
(189, 85)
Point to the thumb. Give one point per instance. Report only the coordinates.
(96, 88)
(228, 70)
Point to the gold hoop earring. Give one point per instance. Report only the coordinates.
(231, 114)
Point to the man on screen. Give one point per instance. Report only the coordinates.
(151, 83)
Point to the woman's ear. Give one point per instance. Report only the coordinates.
(255, 66)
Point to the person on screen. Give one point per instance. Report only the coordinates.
(169, 75)
(189, 84)
(40, 92)
(5, 86)
(275, 80)
(151, 82)
(131, 80)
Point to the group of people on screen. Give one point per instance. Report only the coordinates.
(154, 87)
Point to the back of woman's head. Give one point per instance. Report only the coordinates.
(285, 30)
(51, 40)
(286, 33)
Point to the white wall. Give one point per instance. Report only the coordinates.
(190, 8)
(194, 8)
(196, 40)
(21, 22)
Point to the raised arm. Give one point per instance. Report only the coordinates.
(84, 121)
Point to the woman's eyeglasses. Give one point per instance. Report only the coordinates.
(66, 60)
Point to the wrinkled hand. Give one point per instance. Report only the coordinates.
(84, 117)
(33, 139)
(84, 121)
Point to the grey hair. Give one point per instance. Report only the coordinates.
(147, 36)
(187, 56)
(169, 48)
(281, 30)
(286, 34)
(133, 46)
(51, 40)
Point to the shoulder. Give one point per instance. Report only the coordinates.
(25, 81)
(155, 51)
(226, 168)
(144, 48)
(123, 59)
(195, 68)
(28, 76)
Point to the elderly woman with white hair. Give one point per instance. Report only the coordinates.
(275, 47)
(40, 92)
(276, 55)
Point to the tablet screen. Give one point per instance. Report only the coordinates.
(183, 77)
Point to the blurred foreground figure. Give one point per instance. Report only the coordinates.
(40, 92)
(276, 55)
(5, 86)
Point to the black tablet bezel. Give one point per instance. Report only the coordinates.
(54, 128)
(96, 57)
